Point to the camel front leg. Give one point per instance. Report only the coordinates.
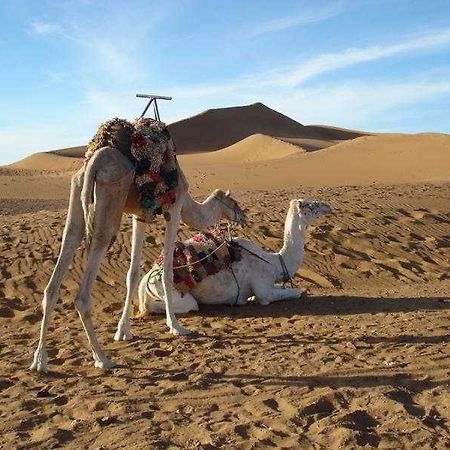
(275, 294)
(123, 332)
(172, 225)
(73, 233)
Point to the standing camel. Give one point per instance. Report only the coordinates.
(107, 180)
(254, 274)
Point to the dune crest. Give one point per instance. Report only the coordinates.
(258, 147)
(215, 129)
(47, 161)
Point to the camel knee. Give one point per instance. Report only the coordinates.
(101, 240)
(83, 306)
(133, 277)
(50, 293)
(74, 234)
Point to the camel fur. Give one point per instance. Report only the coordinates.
(255, 274)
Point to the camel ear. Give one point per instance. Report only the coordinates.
(227, 194)
(300, 205)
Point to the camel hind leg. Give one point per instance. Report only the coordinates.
(72, 236)
(123, 332)
(153, 302)
(109, 205)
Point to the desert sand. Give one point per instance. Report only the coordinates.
(362, 359)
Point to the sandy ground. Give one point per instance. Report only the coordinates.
(361, 360)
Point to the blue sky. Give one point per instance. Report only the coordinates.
(67, 65)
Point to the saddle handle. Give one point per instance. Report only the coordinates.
(153, 98)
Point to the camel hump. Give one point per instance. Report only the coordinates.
(116, 133)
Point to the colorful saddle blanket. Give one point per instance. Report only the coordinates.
(201, 256)
(147, 143)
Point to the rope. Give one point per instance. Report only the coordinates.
(286, 276)
(196, 262)
(251, 253)
(237, 284)
(202, 259)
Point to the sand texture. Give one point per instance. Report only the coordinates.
(361, 361)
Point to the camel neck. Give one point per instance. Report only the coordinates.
(200, 215)
(294, 242)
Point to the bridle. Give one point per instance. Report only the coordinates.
(235, 208)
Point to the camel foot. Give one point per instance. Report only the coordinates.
(39, 363)
(179, 330)
(106, 364)
(123, 333)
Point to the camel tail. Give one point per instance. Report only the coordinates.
(87, 200)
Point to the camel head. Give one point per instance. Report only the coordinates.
(310, 210)
(230, 207)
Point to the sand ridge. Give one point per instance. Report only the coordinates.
(362, 359)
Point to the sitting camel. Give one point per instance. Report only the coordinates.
(107, 180)
(254, 274)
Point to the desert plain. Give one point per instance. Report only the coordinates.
(362, 360)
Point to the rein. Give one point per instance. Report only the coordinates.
(249, 251)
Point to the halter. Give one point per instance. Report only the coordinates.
(233, 208)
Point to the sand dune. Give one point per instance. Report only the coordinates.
(72, 152)
(382, 159)
(309, 145)
(365, 160)
(48, 161)
(258, 147)
(215, 129)
(337, 133)
(219, 128)
(264, 162)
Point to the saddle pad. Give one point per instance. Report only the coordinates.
(201, 256)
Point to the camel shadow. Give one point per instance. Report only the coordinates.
(360, 378)
(332, 381)
(328, 305)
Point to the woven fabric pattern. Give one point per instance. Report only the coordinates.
(201, 256)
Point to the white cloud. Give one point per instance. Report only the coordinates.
(363, 105)
(294, 20)
(298, 73)
(107, 42)
(334, 61)
(42, 27)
